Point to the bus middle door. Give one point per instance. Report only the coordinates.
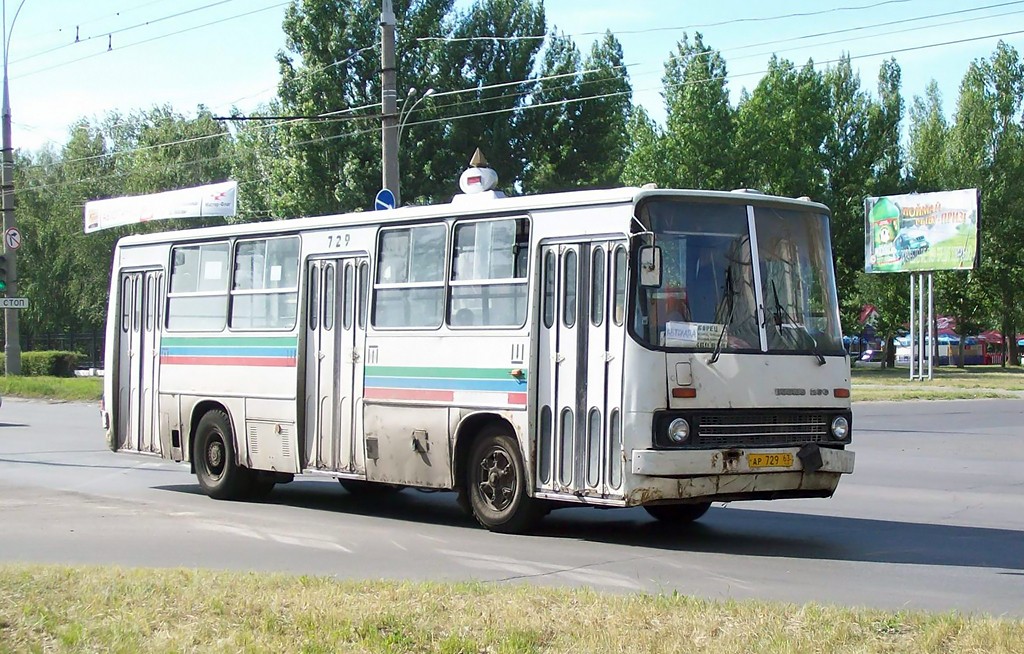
(336, 328)
(580, 370)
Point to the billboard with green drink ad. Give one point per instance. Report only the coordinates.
(922, 232)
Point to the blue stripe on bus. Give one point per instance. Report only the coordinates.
(221, 351)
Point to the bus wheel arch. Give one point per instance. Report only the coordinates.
(492, 477)
(198, 411)
(213, 454)
(470, 428)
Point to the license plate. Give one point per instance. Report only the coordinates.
(770, 460)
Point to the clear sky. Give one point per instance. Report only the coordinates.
(134, 54)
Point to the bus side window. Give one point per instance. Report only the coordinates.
(490, 259)
(198, 299)
(265, 291)
(409, 289)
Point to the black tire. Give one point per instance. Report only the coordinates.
(214, 456)
(368, 488)
(496, 484)
(678, 514)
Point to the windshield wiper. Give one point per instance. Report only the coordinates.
(782, 315)
(730, 298)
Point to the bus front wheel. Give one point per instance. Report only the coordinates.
(678, 514)
(496, 484)
(218, 474)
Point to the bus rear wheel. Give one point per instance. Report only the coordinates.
(214, 455)
(496, 484)
(678, 514)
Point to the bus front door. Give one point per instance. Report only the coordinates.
(138, 357)
(581, 329)
(336, 328)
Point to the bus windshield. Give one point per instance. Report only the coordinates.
(707, 299)
(797, 281)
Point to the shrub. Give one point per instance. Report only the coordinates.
(53, 363)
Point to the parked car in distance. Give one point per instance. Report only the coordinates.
(870, 356)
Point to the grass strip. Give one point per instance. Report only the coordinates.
(52, 388)
(73, 609)
(970, 377)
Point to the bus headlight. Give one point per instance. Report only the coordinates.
(679, 431)
(840, 428)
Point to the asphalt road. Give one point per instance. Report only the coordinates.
(932, 518)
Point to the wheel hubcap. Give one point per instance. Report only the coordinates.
(215, 457)
(497, 479)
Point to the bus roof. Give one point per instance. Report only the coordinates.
(466, 205)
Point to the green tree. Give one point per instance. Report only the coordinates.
(644, 163)
(495, 78)
(987, 152)
(64, 272)
(583, 115)
(928, 157)
(700, 127)
(959, 294)
(161, 149)
(849, 158)
(782, 126)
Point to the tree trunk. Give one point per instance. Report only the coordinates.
(890, 352)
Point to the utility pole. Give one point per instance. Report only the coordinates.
(389, 101)
(12, 335)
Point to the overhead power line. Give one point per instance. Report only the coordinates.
(731, 21)
(109, 34)
(150, 40)
(357, 132)
(340, 113)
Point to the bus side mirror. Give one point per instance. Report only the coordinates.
(650, 266)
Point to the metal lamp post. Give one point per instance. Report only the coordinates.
(12, 344)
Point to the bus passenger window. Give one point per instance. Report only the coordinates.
(199, 288)
(488, 277)
(409, 290)
(265, 291)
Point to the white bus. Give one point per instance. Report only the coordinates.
(614, 348)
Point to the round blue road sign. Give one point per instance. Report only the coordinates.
(385, 200)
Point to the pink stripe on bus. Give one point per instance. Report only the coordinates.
(277, 362)
(408, 394)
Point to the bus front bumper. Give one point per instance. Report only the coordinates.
(730, 475)
(684, 463)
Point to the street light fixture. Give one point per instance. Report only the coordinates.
(406, 113)
(12, 336)
(403, 118)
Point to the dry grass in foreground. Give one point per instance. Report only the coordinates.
(62, 609)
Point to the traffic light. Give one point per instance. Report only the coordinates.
(3, 274)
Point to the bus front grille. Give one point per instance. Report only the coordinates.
(760, 429)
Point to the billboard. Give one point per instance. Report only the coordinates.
(921, 232)
(196, 202)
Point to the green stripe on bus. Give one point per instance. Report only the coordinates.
(238, 341)
(444, 373)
